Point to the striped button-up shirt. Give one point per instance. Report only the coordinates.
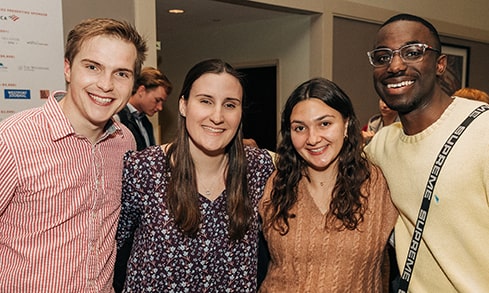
(59, 203)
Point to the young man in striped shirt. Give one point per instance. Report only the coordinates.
(61, 168)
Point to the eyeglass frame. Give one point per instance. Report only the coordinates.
(393, 52)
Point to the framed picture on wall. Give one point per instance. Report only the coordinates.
(456, 74)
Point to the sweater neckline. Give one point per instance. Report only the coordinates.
(432, 128)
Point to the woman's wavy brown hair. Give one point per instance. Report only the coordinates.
(183, 195)
(348, 203)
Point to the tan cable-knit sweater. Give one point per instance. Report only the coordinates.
(310, 258)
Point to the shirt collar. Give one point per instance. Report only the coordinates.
(60, 125)
(132, 109)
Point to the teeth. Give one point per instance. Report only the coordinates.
(101, 100)
(401, 84)
(317, 150)
(214, 129)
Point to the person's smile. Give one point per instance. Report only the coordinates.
(317, 151)
(212, 130)
(398, 85)
(99, 100)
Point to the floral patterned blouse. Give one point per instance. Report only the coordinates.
(162, 258)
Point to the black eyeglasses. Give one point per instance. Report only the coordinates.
(409, 54)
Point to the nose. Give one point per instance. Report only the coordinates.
(314, 137)
(105, 82)
(397, 64)
(217, 116)
(159, 106)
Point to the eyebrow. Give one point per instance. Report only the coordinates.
(316, 119)
(91, 61)
(225, 99)
(101, 65)
(233, 99)
(407, 43)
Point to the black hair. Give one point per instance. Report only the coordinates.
(424, 22)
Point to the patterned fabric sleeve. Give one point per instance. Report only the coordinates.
(260, 168)
(131, 198)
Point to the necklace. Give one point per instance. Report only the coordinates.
(320, 195)
(214, 181)
(207, 192)
(325, 182)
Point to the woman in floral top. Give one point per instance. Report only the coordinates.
(192, 204)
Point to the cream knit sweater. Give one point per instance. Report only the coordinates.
(453, 255)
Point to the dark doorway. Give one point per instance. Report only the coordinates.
(260, 117)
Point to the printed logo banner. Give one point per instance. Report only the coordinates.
(31, 53)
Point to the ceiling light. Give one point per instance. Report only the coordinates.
(176, 11)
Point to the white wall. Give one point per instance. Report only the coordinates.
(74, 11)
(468, 19)
(472, 15)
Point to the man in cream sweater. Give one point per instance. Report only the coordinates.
(453, 254)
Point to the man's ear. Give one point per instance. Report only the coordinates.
(140, 90)
(441, 65)
(67, 71)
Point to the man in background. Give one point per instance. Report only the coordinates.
(61, 167)
(385, 117)
(452, 252)
(150, 93)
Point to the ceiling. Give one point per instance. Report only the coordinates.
(206, 13)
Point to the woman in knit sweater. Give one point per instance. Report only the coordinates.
(327, 212)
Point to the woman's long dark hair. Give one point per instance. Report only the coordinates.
(183, 198)
(353, 169)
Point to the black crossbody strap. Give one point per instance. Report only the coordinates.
(428, 192)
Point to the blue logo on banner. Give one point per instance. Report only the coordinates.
(17, 94)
